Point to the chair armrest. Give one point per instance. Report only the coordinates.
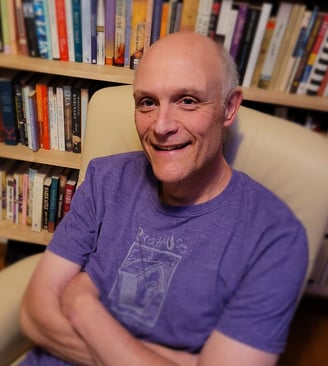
(13, 281)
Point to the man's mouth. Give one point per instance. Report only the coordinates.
(170, 147)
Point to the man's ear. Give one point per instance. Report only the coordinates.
(232, 106)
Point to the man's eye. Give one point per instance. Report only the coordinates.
(188, 101)
(147, 103)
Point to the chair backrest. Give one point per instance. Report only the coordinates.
(285, 157)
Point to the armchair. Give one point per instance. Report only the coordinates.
(285, 157)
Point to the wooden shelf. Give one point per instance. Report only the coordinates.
(23, 233)
(125, 75)
(52, 157)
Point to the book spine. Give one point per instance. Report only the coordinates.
(189, 15)
(101, 32)
(11, 133)
(62, 30)
(70, 30)
(323, 84)
(223, 20)
(53, 29)
(76, 119)
(68, 117)
(60, 117)
(77, 30)
(238, 31)
(93, 41)
(110, 31)
(273, 50)
(128, 20)
(86, 26)
(10, 196)
(120, 12)
(32, 171)
(42, 114)
(37, 208)
(34, 125)
(45, 204)
(156, 21)
(52, 111)
(42, 25)
(203, 17)
(20, 113)
(53, 202)
(256, 45)
(32, 42)
(215, 11)
(25, 198)
(21, 30)
(148, 23)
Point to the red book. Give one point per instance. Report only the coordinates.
(41, 90)
(69, 191)
(323, 85)
(62, 30)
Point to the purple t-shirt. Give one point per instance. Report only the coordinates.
(171, 275)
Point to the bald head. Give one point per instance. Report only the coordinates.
(195, 50)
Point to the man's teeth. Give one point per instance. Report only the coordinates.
(169, 148)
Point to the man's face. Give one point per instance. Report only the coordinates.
(179, 115)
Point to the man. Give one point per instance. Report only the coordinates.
(184, 261)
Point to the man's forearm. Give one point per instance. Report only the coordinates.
(112, 344)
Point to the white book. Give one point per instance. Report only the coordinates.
(53, 123)
(37, 208)
(273, 50)
(233, 14)
(60, 117)
(100, 32)
(223, 21)
(256, 46)
(86, 29)
(203, 17)
(69, 28)
(53, 29)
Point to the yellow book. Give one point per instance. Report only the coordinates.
(189, 15)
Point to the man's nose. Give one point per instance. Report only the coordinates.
(165, 122)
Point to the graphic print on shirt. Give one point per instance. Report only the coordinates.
(144, 277)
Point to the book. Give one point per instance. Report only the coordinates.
(299, 50)
(53, 29)
(20, 106)
(156, 21)
(29, 99)
(77, 30)
(242, 10)
(323, 85)
(41, 90)
(307, 50)
(137, 37)
(94, 37)
(189, 15)
(318, 42)
(67, 90)
(46, 200)
(60, 114)
(282, 20)
(25, 192)
(32, 42)
(31, 174)
(20, 188)
(148, 23)
(10, 191)
(246, 41)
(7, 102)
(203, 17)
(69, 30)
(319, 69)
(287, 45)
(76, 115)
(42, 27)
(62, 30)
(230, 29)
(223, 20)
(110, 14)
(53, 198)
(5, 166)
(21, 29)
(86, 26)
(256, 45)
(52, 112)
(9, 36)
(127, 36)
(37, 208)
(100, 28)
(215, 11)
(164, 18)
(61, 190)
(69, 191)
(119, 41)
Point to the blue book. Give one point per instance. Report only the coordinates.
(53, 198)
(156, 21)
(77, 30)
(8, 108)
(42, 28)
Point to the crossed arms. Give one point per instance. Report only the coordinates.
(62, 313)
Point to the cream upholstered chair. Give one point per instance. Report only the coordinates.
(287, 158)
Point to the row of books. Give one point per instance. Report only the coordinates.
(33, 194)
(281, 48)
(44, 111)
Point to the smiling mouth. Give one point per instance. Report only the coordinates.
(170, 148)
